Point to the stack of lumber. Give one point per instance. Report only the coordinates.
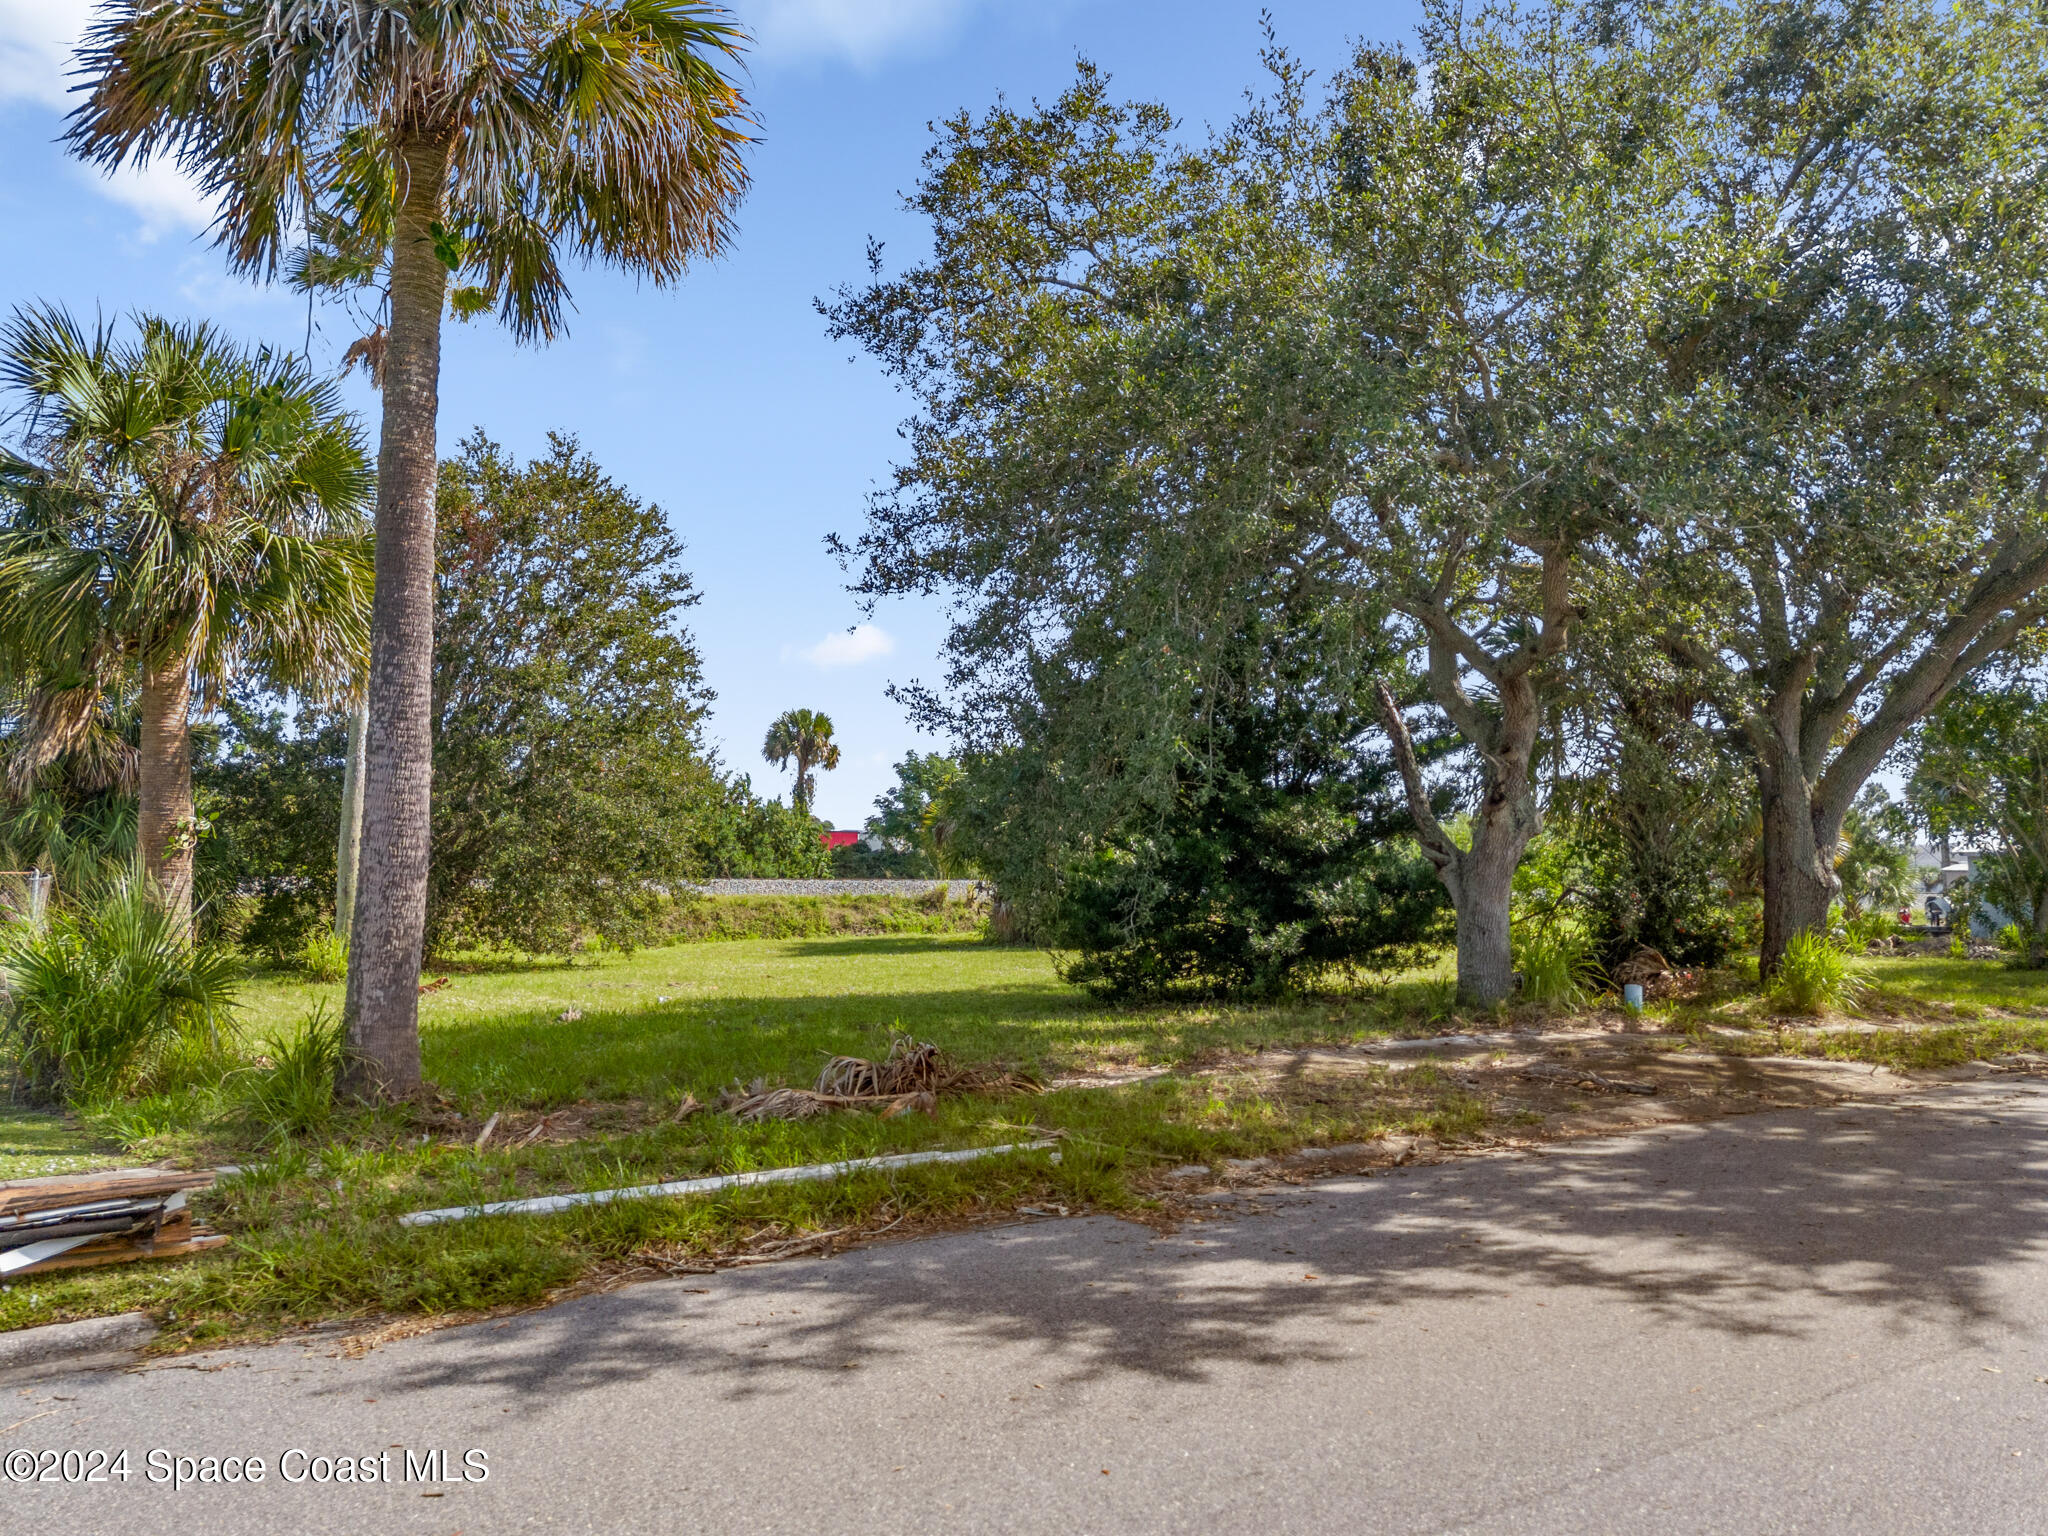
(81, 1219)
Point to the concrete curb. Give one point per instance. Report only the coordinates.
(58, 1349)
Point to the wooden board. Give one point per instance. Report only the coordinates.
(174, 1228)
(20, 1195)
(91, 1254)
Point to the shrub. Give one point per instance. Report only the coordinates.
(2012, 938)
(1557, 966)
(324, 957)
(1814, 977)
(101, 993)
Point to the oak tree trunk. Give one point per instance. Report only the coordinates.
(1485, 885)
(382, 1007)
(1480, 879)
(165, 823)
(1798, 858)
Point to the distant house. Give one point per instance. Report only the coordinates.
(1942, 867)
(837, 840)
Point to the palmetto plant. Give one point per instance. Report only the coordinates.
(411, 144)
(178, 510)
(805, 737)
(101, 988)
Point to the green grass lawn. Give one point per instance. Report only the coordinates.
(1965, 984)
(612, 1046)
(618, 1042)
(35, 1143)
(695, 1017)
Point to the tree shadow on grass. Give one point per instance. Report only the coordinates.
(858, 944)
(486, 963)
(1775, 1226)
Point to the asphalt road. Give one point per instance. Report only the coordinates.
(1811, 1321)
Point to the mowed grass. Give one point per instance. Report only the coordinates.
(1962, 984)
(698, 1017)
(617, 1044)
(621, 1041)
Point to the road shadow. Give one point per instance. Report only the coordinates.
(1753, 1227)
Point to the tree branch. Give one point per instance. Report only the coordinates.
(1436, 843)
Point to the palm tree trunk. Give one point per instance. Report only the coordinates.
(165, 822)
(349, 847)
(382, 1007)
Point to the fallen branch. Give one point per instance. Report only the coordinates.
(1583, 1077)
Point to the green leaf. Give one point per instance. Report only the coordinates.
(448, 246)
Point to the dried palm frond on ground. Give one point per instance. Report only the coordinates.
(915, 1067)
(761, 1103)
(1644, 966)
(910, 1077)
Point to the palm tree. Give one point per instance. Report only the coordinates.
(403, 143)
(180, 510)
(806, 736)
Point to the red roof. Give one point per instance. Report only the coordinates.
(840, 839)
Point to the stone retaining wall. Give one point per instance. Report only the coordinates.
(956, 890)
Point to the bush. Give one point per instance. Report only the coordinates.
(1814, 977)
(2013, 939)
(102, 993)
(1557, 966)
(324, 957)
(1280, 847)
(1652, 828)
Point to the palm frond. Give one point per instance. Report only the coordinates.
(610, 130)
(187, 499)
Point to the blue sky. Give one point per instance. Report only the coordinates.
(721, 400)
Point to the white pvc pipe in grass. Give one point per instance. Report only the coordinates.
(543, 1205)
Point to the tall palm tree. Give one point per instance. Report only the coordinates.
(806, 736)
(405, 143)
(178, 510)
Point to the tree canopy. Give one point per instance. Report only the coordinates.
(568, 705)
(1712, 321)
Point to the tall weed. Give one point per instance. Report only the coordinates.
(1557, 966)
(324, 957)
(294, 1095)
(1873, 926)
(1814, 977)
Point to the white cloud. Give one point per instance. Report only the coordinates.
(166, 199)
(863, 32)
(36, 39)
(848, 648)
